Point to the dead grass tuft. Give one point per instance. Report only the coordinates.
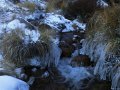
(46, 33)
(56, 4)
(29, 5)
(82, 8)
(105, 21)
(17, 52)
(102, 43)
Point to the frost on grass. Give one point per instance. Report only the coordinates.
(103, 44)
(22, 45)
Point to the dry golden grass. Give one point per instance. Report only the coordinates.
(106, 22)
(102, 43)
(104, 27)
(29, 5)
(47, 34)
(17, 52)
(56, 4)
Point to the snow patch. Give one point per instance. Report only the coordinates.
(74, 74)
(80, 25)
(2, 3)
(62, 24)
(1, 57)
(11, 83)
(102, 3)
(15, 24)
(30, 35)
(35, 62)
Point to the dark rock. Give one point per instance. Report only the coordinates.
(83, 8)
(47, 84)
(53, 82)
(70, 41)
(33, 71)
(67, 51)
(95, 84)
(81, 60)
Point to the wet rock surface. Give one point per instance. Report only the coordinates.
(70, 41)
(81, 60)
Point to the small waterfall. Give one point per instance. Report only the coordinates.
(74, 75)
(55, 51)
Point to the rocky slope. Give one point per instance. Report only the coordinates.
(41, 43)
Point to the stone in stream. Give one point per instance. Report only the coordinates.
(69, 42)
(81, 60)
(96, 84)
(54, 81)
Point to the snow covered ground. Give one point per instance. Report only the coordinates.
(11, 83)
(62, 24)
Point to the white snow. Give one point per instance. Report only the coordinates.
(74, 74)
(2, 27)
(35, 61)
(11, 83)
(2, 3)
(102, 3)
(1, 57)
(80, 25)
(60, 23)
(6, 5)
(15, 24)
(30, 35)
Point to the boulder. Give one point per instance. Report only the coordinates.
(81, 60)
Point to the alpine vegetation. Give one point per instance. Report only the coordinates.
(59, 44)
(102, 44)
(22, 46)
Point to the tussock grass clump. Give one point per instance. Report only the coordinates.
(29, 5)
(102, 43)
(56, 4)
(82, 8)
(47, 34)
(17, 52)
(74, 8)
